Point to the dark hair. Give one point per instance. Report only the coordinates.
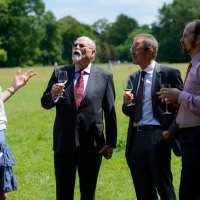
(196, 31)
(197, 27)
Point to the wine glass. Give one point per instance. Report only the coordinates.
(62, 79)
(128, 87)
(166, 85)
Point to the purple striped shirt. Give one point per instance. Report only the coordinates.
(189, 99)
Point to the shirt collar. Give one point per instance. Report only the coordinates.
(87, 69)
(195, 59)
(149, 69)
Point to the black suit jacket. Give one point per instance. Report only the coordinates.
(83, 126)
(162, 74)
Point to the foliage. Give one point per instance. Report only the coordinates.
(101, 26)
(120, 29)
(29, 34)
(20, 29)
(51, 44)
(3, 55)
(168, 30)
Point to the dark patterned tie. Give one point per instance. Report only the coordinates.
(188, 70)
(79, 89)
(138, 106)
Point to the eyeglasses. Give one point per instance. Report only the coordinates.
(187, 35)
(80, 46)
(136, 49)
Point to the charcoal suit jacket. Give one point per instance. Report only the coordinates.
(94, 122)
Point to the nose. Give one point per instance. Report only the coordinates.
(181, 40)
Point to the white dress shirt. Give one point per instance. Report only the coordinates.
(147, 110)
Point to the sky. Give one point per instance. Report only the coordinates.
(89, 11)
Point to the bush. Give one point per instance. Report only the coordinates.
(3, 55)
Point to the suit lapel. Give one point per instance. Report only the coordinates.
(135, 83)
(70, 89)
(156, 81)
(90, 84)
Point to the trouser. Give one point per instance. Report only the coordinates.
(149, 159)
(87, 164)
(190, 174)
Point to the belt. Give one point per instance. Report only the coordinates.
(189, 129)
(146, 127)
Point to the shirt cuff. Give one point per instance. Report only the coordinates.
(55, 100)
(182, 99)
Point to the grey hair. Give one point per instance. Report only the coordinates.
(150, 42)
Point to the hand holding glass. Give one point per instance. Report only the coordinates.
(62, 79)
(128, 87)
(167, 112)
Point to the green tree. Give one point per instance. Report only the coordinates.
(119, 31)
(3, 56)
(21, 31)
(168, 30)
(101, 26)
(104, 52)
(51, 45)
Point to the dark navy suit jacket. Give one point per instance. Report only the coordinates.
(162, 74)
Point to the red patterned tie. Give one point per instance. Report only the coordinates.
(79, 89)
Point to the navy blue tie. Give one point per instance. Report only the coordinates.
(138, 106)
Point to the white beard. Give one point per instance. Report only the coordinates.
(76, 56)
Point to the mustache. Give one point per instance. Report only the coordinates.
(77, 52)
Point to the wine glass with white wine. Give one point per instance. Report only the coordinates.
(128, 87)
(62, 79)
(167, 112)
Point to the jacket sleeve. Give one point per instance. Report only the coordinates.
(110, 113)
(46, 100)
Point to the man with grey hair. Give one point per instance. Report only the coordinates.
(148, 149)
(79, 139)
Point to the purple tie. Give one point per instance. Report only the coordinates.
(79, 88)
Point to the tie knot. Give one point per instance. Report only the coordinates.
(81, 72)
(143, 74)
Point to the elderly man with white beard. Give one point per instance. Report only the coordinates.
(85, 107)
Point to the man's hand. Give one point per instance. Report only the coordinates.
(128, 98)
(169, 95)
(107, 152)
(57, 90)
(167, 136)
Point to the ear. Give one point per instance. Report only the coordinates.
(93, 53)
(151, 52)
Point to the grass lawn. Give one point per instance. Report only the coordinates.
(29, 134)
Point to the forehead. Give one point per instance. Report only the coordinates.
(83, 40)
(138, 41)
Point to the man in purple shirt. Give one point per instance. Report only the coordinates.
(188, 114)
